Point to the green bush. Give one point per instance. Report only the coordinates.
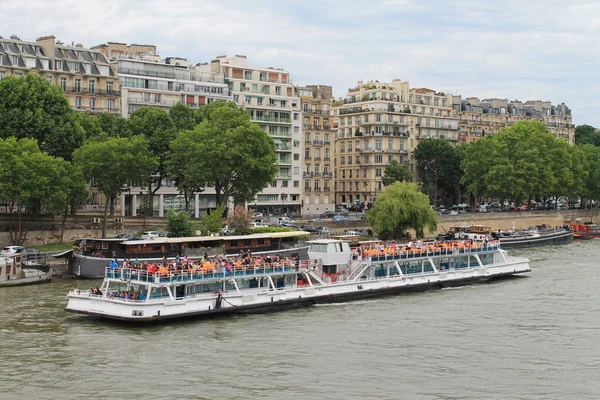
(271, 229)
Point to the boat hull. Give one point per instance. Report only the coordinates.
(544, 239)
(275, 300)
(46, 277)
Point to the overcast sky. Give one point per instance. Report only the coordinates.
(515, 49)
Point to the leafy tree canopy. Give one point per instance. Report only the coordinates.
(586, 134)
(179, 225)
(239, 222)
(213, 220)
(401, 206)
(114, 125)
(395, 172)
(112, 163)
(438, 162)
(227, 152)
(183, 117)
(30, 107)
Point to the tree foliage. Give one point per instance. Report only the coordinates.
(438, 164)
(112, 163)
(518, 163)
(183, 117)
(213, 220)
(179, 225)
(395, 172)
(29, 178)
(400, 207)
(30, 107)
(114, 125)
(227, 152)
(586, 134)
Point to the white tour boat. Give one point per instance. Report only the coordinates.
(334, 273)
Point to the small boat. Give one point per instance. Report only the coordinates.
(541, 235)
(334, 273)
(15, 272)
(585, 230)
(90, 256)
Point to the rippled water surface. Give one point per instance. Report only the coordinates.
(524, 338)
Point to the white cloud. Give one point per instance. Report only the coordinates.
(536, 49)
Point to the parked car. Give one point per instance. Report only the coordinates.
(281, 220)
(151, 235)
(310, 228)
(126, 236)
(257, 224)
(328, 214)
(338, 218)
(11, 250)
(257, 215)
(286, 224)
(226, 231)
(343, 211)
(352, 233)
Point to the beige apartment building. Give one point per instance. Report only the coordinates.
(480, 118)
(317, 158)
(269, 96)
(380, 122)
(85, 75)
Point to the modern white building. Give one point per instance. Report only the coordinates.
(270, 98)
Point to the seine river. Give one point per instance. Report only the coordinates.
(535, 337)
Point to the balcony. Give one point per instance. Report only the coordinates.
(318, 143)
(152, 101)
(283, 176)
(317, 158)
(326, 158)
(306, 174)
(280, 147)
(326, 142)
(94, 91)
(327, 175)
(270, 119)
(279, 134)
(95, 110)
(307, 189)
(317, 189)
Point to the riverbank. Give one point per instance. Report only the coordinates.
(503, 220)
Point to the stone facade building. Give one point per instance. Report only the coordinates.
(85, 75)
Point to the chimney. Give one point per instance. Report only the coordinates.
(15, 37)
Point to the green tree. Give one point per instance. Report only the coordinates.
(114, 125)
(158, 128)
(213, 220)
(89, 124)
(401, 206)
(438, 166)
(239, 221)
(227, 152)
(113, 163)
(179, 225)
(395, 172)
(28, 179)
(586, 134)
(30, 107)
(183, 117)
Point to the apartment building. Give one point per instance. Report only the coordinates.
(148, 80)
(269, 96)
(380, 122)
(85, 75)
(317, 158)
(480, 118)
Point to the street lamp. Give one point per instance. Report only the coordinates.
(435, 171)
(283, 200)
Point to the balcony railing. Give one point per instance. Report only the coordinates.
(327, 175)
(317, 143)
(97, 109)
(286, 134)
(94, 91)
(271, 119)
(152, 101)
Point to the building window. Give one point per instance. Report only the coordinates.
(378, 159)
(378, 143)
(259, 101)
(59, 65)
(296, 184)
(110, 104)
(92, 103)
(77, 85)
(63, 84)
(92, 86)
(109, 87)
(78, 102)
(284, 184)
(296, 157)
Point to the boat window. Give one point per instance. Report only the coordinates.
(473, 262)
(233, 243)
(413, 267)
(229, 286)
(442, 263)
(247, 242)
(126, 291)
(427, 267)
(486, 259)
(320, 248)
(261, 241)
(461, 262)
(346, 247)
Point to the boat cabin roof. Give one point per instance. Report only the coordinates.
(325, 241)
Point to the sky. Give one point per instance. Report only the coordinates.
(514, 49)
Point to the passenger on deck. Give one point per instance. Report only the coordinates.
(113, 264)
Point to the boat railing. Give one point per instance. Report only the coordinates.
(164, 275)
(428, 250)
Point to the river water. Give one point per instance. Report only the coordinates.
(532, 337)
